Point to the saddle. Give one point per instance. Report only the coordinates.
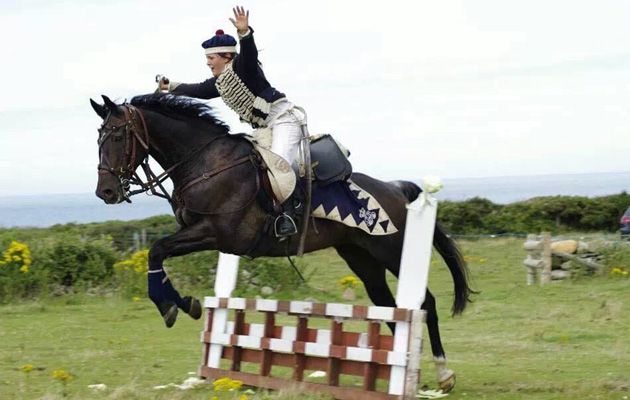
(329, 161)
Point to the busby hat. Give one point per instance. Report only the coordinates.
(220, 43)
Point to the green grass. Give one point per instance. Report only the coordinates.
(566, 340)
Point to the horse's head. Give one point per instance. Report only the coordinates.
(122, 145)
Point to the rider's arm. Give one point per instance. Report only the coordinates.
(203, 90)
(249, 53)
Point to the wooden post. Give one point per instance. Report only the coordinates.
(136, 241)
(413, 276)
(370, 369)
(415, 353)
(266, 355)
(300, 359)
(144, 238)
(334, 362)
(227, 272)
(532, 246)
(545, 256)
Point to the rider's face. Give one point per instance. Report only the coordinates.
(216, 63)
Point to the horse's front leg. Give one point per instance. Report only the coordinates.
(161, 290)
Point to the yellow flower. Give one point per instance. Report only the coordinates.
(139, 262)
(349, 282)
(27, 368)
(62, 375)
(483, 260)
(226, 385)
(243, 397)
(136, 299)
(24, 269)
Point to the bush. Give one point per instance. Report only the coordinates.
(17, 277)
(556, 214)
(75, 262)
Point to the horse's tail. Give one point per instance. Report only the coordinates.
(449, 251)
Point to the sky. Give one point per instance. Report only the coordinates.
(450, 88)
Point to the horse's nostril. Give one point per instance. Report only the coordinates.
(107, 193)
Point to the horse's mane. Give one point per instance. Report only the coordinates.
(179, 107)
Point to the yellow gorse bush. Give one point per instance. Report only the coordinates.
(349, 282)
(17, 253)
(226, 385)
(139, 262)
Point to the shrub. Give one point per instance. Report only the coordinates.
(17, 276)
(131, 275)
(75, 262)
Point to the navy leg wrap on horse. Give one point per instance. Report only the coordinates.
(161, 288)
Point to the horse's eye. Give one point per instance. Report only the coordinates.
(117, 138)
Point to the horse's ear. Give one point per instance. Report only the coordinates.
(111, 105)
(99, 109)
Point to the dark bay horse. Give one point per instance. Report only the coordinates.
(216, 201)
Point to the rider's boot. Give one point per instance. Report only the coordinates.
(284, 225)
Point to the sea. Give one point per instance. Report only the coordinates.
(51, 209)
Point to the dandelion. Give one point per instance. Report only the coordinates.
(349, 282)
(136, 299)
(26, 368)
(483, 260)
(63, 377)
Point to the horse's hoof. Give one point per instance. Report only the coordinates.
(448, 384)
(169, 311)
(192, 307)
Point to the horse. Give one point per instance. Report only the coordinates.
(218, 204)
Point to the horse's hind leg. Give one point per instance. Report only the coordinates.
(372, 274)
(161, 290)
(445, 376)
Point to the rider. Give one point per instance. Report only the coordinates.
(239, 80)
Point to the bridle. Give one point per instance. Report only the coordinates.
(136, 135)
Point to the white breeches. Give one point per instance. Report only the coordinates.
(287, 131)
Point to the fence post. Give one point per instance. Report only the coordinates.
(545, 256)
(225, 282)
(413, 277)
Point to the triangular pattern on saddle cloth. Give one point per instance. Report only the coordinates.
(281, 175)
(349, 204)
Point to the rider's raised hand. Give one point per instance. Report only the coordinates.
(241, 19)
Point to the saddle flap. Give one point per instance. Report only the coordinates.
(281, 175)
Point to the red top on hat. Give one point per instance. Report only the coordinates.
(220, 32)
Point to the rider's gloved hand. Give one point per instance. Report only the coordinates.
(163, 84)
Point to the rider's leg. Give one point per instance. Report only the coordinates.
(287, 133)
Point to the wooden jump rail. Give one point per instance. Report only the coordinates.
(371, 356)
(301, 348)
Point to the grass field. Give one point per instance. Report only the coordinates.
(566, 340)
